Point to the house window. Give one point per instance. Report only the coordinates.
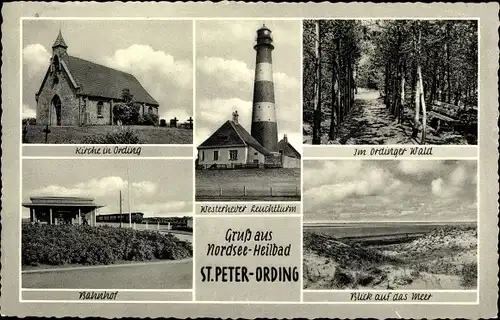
(150, 109)
(99, 109)
(233, 154)
(216, 155)
(203, 156)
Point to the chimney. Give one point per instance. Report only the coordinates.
(235, 116)
(285, 138)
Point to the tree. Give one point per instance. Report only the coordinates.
(332, 49)
(317, 87)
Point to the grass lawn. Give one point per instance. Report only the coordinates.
(248, 185)
(77, 135)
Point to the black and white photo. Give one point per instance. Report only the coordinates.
(390, 224)
(107, 224)
(107, 82)
(398, 81)
(248, 110)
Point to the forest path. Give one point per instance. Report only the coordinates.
(370, 122)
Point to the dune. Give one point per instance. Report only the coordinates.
(444, 258)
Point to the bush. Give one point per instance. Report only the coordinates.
(148, 119)
(469, 275)
(29, 121)
(127, 113)
(62, 244)
(124, 135)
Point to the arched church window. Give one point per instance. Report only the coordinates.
(99, 108)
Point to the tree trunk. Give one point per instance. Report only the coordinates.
(413, 85)
(402, 98)
(334, 123)
(416, 121)
(317, 89)
(395, 89)
(386, 85)
(448, 95)
(422, 99)
(421, 93)
(458, 94)
(355, 79)
(349, 85)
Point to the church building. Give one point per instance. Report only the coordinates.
(77, 92)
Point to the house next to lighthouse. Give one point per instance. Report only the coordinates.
(231, 146)
(76, 92)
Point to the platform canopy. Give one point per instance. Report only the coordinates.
(62, 210)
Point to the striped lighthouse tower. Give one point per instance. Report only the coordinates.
(264, 126)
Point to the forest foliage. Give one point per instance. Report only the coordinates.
(415, 65)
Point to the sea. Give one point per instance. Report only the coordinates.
(372, 229)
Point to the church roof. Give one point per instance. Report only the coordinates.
(288, 149)
(100, 81)
(232, 134)
(59, 41)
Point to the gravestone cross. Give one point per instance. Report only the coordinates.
(173, 122)
(190, 120)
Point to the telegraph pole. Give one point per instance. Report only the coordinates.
(121, 217)
(129, 206)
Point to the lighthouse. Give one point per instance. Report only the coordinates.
(264, 126)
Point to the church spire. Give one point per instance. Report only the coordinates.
(59, 41)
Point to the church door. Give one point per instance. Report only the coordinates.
(56, 111)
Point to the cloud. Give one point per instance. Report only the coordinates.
(458, 176)
(210, 32)
(408, 190)
(330, 172)
(167, 79)
(419, 168)
(234, 73)
(376, 181)
(211, 114)
(143, 188)
(98, 187)
(35, 59)
(144, 59)
(455, 183)
(171, 208)
(28, 112)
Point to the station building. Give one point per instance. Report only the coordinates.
(63, 210)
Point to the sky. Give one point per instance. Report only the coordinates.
(159, 187)
(390, 190)
(158, 53)
(225, 64)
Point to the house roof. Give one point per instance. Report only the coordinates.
(97, 80)
(232, 134)
(288, 149)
